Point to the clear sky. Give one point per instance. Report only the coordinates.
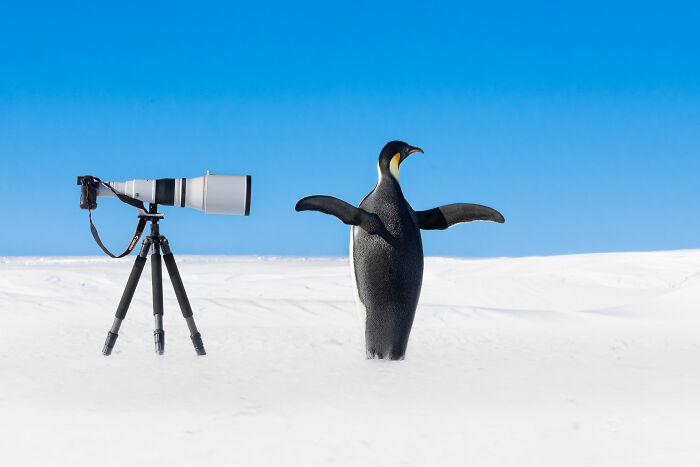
(581, 123)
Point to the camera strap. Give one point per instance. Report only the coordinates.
(139, 227)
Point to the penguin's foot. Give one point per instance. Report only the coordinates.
(376, 355)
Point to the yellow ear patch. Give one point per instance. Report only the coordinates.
(394, 165)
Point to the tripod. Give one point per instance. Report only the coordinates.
(158, 242)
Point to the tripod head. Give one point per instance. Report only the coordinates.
(152, 215)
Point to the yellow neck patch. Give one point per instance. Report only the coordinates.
(394, 165)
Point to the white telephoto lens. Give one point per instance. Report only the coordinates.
(213, 194)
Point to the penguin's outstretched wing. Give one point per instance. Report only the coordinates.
(347, 213)
(446, 216)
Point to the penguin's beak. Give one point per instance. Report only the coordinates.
(411, 151)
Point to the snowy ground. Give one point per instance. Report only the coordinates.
(558, 361)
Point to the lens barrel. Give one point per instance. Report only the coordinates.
(211, 193)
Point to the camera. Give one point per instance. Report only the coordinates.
(211, 193)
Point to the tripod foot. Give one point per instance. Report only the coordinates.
(109, 343)
(198, 344)
(159, 338)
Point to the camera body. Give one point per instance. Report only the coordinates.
(211, 193)
(88, 195)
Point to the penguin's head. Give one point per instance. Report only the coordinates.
(393, 154)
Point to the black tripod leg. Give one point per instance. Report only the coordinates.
(126, 297)
(157, 284)
(182, 297)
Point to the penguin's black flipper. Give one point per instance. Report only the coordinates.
(446, 216)
(347, 213)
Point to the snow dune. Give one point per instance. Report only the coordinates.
(572, 360)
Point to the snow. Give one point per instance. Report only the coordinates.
(544, 361)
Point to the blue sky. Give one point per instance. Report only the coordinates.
(579, 123)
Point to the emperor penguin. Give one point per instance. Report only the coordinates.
(386, 251)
